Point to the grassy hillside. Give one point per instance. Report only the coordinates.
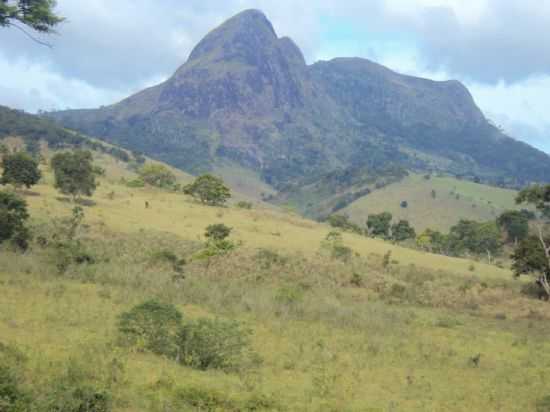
(454, 200)
(331, 334)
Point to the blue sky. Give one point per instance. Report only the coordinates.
(107, 50)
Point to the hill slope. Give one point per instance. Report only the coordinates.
(328, 334)
(451, 201)
(247, 96)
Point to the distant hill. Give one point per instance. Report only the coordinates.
(247, 97)
(450, 201)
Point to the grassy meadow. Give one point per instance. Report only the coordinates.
(409, 332)
(454, 200)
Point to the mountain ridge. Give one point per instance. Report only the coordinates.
(247, 96)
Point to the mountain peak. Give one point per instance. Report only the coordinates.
(248, 29)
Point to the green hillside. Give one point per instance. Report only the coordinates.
(329, 332)
(454, 200)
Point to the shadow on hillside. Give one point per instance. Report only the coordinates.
(80, 202)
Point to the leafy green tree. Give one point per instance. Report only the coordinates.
(20, 169)
(515, 224)
(528, 257)
(157, 175)
(74, 173)
(402, 231)
(474, 237)
(379, 224)
(13, 215)
(209, 189)
(35, 14)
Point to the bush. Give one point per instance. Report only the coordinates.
(268, 258)
(136, 183)
(78, 398)
(12, 398)
(217, 232)
(244, 205)
(152, 326)
(169, 257)
(212, 344)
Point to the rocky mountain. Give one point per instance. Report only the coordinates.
(248, 97)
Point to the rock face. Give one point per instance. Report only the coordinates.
(247, 96)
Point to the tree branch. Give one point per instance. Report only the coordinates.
(30, 36)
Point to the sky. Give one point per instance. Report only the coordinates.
(107, 50)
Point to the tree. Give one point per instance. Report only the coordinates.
(13, 215)
(379, 224)
(209, 189)
(433, 241)
(528, 257)
(35, 14)
(515, 224)
(157, 175)
(20, 169)
(402, 231)
(474, 237)
(74, 173)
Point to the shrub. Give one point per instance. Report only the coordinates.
(204, 399)
(136, 183)
(212, 344)
(217, 232)
(12, 398)
(68, 397)
(244, 205)
(169, 257)
(268, 258)
(152, 326)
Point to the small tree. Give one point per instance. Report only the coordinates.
(379, 224)
(402, 231)
(20, 169)
(529, 255)
(74, 173)
(13, 215)
(209, 189)
(157, 175)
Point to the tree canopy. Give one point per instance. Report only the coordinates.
(379, 224)
(515, 223)
(20, 169)
(157, 175)
(13, 215)
(36, 14)
(402, 231)
(209, 189)
(532, 256)
(74, 173)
